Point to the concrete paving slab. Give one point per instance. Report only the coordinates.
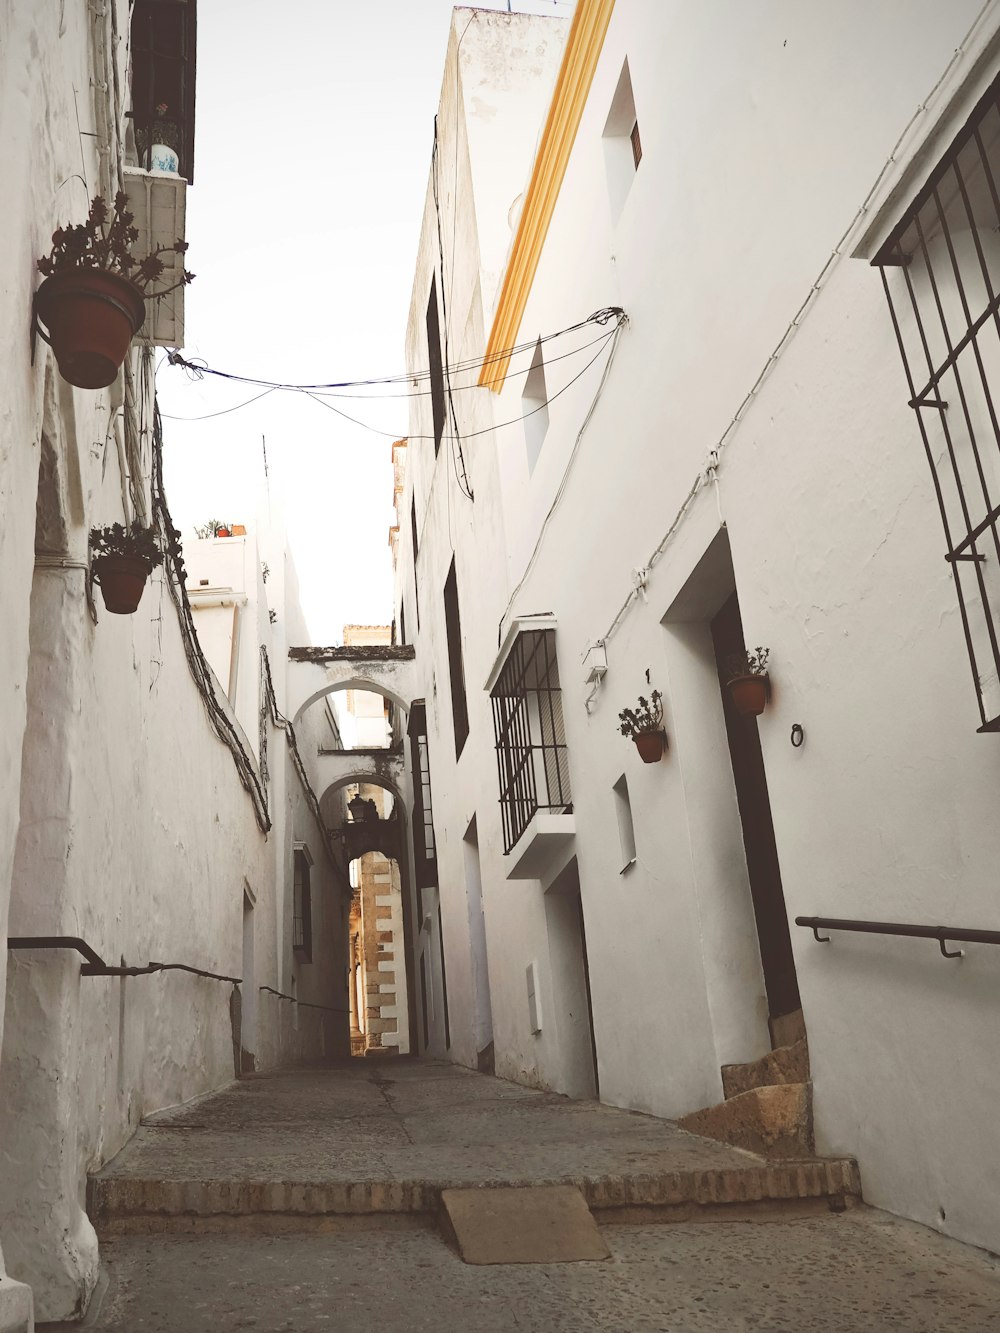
(538, 1225)
(859, 1272)
(389, 1136)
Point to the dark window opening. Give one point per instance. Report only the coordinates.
(302, 909)
(413, 529)
(941, 273)
(424, 851)
(636, 144)
(436, 367)
(402, 623)
(163, 79)
(530, 734)
(456, 666)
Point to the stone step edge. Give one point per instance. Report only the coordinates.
(116, 1198)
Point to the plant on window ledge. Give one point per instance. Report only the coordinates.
(749, 683)
(162, 139)
(93, 298)
(642, 725)
(215, 527)
(122, 559)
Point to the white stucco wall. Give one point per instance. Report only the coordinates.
(122, 817)
(762, 134)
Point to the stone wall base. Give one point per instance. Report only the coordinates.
(16, 1307)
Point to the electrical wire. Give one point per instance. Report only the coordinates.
(486, 430)
(198, 369)
(225, 411)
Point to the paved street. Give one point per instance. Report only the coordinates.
(209, 1249)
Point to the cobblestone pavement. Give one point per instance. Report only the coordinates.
(192, 1241)
(393, 1119)
(856, 1272)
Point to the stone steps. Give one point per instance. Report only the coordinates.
(376, 1143)
(775, 1121)
(767, 1107)
(786, 1064)
(122, 1205)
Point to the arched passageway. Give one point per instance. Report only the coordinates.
(373, 825)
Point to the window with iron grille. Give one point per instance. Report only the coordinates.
(940, 268)
(530, 735)
(436, 366)
(302, 909)
(425, 854)
(163, 76)
(456, 664)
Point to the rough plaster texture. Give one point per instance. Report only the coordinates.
(757, 153)
(122, 818)
(834, 1274)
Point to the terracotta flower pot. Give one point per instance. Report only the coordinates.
(122, 579)
(749, 694)
(650, 745)
(91, 317)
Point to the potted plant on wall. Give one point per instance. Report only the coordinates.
(642, 724)
(749, 683)
(122, 559)
(92, 301)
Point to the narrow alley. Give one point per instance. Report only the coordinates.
(311, 1200)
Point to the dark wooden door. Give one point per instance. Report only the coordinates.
(758, 829)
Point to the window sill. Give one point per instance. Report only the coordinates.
(542, 841)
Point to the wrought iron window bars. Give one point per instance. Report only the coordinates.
(940, 268)
(530, 734)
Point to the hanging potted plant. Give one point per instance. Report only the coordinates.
(642, 724)
(122, 559)
(749, 683)
(92, 301)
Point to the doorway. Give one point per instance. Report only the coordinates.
(574, 1016)
(777, 960)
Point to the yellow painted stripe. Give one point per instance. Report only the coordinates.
(583, 48)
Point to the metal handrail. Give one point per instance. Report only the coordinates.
(939, 933)
(305, 1004)
(95, 966)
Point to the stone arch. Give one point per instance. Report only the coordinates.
(352, 683)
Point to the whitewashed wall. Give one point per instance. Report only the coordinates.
(499, 71)
(763, 131)
(122, 818)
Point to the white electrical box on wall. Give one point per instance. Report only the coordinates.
(534, 1000)
(595, 662)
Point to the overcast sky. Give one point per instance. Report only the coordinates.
(313, 141)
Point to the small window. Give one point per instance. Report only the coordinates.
(302, 908)
(436, 368)
(402, 623)
(456, 666)
(626, 830)
(534, 407)
(413, 529)
(636, 145)
(622, 145)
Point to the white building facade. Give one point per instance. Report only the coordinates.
(729, 455)
(154, 809)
